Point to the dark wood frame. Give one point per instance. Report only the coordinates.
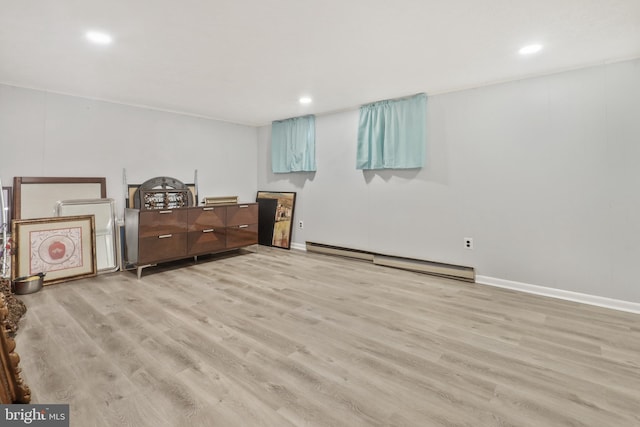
(19, 181)
(281, 195)
(18, 242)
(12, 387)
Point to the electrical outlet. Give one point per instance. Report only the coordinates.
(300, 224)
(468, 243)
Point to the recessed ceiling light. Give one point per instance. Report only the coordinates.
(98, 37)
(528, 50)
(305, 100)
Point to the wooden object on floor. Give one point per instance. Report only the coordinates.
(12, 388)
(154, 236)
(15, 308)
(286, 338)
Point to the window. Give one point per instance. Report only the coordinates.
(293, 145)
(392, 134)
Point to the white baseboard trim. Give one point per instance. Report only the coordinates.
(614, 304)
(299, 246)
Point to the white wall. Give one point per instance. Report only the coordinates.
(542, 173)
(45, 134)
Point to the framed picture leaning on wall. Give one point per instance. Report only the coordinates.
(63, 248)
(275, 224)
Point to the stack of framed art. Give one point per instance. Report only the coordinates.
(275, 214)
(63, 248)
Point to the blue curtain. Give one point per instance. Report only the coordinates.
(293, 145)
(392, 134)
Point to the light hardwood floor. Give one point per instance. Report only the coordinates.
(285, 338)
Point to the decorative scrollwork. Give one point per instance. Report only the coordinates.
(162, 192)
(13, 389)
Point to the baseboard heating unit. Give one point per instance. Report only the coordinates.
(452, 271)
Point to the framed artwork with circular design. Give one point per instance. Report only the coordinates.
(63, 248)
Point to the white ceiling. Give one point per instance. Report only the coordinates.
(248, 61)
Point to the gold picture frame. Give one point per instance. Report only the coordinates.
(12, 387)
(64, 248)
(220, 200)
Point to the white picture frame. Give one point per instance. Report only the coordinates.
(106, 229)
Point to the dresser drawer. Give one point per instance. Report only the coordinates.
(159, 222)
(207, 217)
(243, 214)
(206, 241)
(242, 235)
(163, 247)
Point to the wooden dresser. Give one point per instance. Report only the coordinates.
(154, 236)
